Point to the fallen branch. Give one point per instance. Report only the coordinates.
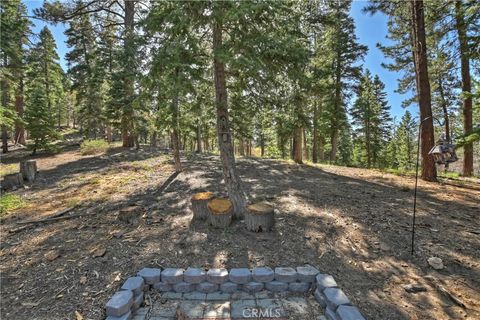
(167, 182)
(447, 293)
(56, 215)
(64, 217)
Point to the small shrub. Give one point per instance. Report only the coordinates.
(89, 147)
(10, 202)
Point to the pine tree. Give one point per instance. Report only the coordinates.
(344, 52)
(44, 91)
(405, 137)
(371, 119)
(406, 28)
(15, 29)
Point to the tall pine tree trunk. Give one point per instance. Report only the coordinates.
(128, 139)
(315, 134)
(429, 171)
(5, 105)
(466, 87)
(297, 145)
(336, 112)
(19, 128)
(199, 138)
(446, 118)
(232, 180)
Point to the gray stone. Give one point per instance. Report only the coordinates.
(217, 311)
(183, 287)
(264, 295)
(217, 276)
(140, 317)
(335, 297)
(137, 301)
(162, 287)
(348, 313)
(252, 287)
(160, 318)
(271, 308)
(172, 275)
(320, 298)
(322, 318)
(240, 295)
(276, 286)
(134, 284)
(263, 274)
(241, 308)
(215, 296)
(191, 309)
(299, 286)
(285, 274)
(120, 303)
(228, 287)
(207, 287)
(150, 275)
(172, 295)
(194, 275)
(126, 316)
(194, 295)
(240, 275)
(141, 311)
(325, 281)
(330, 314)
(307, 273)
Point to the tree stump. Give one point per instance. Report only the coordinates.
(130, 214)
(199, 205)
(12, 181)
(220, 212)
(28, 169)
(259, 217)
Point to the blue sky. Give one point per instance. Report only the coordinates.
(370, 30)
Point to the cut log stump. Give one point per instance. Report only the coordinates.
(220, 212)
(199, 205)
(130, 214)
(259, 217)
(28, 169)
(12, 181)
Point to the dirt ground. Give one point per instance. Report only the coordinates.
(352, 223)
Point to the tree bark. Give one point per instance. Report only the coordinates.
(5, 105)
(175, 135)
(297, 145)
(19, 128)
(315, 134)
(305, 145)
(466, 87)
(199, 138)
(446, 118)
(232, 180)
(128, 139)
(429, 172)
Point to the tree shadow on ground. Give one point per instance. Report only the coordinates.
(356, 230)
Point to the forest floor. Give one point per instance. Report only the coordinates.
(352, 223)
